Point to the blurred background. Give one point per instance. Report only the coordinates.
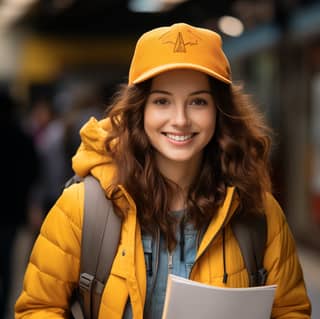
(61, 61)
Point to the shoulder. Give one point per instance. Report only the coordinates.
(68, 209)
(71, 203)
(279, 232)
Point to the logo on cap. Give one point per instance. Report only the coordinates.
(178, 42)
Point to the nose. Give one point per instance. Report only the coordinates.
(180, 117)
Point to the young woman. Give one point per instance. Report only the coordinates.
(181, 151)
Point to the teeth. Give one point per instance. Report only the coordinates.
(179, 138)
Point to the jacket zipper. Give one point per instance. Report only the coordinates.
(218, 232)
(211, 241)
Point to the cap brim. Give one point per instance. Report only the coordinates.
(167, 67)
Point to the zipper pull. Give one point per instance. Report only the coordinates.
(170, 262)
(149, 264)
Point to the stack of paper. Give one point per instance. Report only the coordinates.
(189, 299)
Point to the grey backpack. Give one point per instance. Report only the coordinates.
(100, 238)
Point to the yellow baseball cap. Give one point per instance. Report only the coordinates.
(179, 46)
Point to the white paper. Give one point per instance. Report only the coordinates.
(189, 299)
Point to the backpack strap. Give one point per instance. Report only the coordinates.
(100, 238)
(251, 234)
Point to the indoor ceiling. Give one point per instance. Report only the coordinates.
(113, 16)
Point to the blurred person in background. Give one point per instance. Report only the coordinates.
(37, 124)
(182, 150)
(49, 141)
(78, 101)
(54, 122)
(19, 163)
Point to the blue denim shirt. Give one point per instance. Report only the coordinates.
(155, 301)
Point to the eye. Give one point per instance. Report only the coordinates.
(161, 101)
(198, 101)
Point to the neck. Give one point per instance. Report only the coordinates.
(178, 201)
(182, 174)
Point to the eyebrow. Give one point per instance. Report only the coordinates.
(201, 92)
(160, 91)
(193, 93)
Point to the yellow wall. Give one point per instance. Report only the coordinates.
(43, 58)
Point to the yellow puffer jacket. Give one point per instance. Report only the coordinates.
(53, 270)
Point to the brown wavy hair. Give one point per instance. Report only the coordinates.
(237, 155)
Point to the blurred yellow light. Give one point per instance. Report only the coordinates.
(230, 26)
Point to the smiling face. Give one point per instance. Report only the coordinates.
(180, 117)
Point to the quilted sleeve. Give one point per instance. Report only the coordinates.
(283, 266)
(53, 269)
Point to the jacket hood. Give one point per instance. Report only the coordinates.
(91, 156)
